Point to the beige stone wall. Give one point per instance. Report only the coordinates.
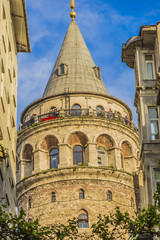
(13, 38)
(66, 183)
(8, 98)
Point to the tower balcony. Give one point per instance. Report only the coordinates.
(74, 113)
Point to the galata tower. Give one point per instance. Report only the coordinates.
(77, 146)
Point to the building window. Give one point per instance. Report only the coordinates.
(122, 165)
(81, 194)
(29, 203)
(149, 66)
(77, 155)
(7, 200)
(100, 111)
(11, 182)
(53, 196)
(54, 158)
(109, 196)
(153, 116)
(9, 136)
(101, 156)
(52, 109)
(14, 101)
(32, 164)
(1, 176)
(157, 177)
(76, 110)
(97, 72)
(62, 69)
(9, 75)
(83, 221)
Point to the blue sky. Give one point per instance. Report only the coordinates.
(105, 26)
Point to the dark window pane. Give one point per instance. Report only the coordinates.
(29, 203)
(154, 130)
(76, 110)
(52, 109)
(54, 151)
(99, 107)
(153, 113)
(54, 158)
(83, 221)
(109, 196)
(83, 225)
(62, 68)
(81, 194)
(53, 196)
(157, 174)
(77, 155)
(148, 57)
(149, 70)
(77, 148)
(100, 111)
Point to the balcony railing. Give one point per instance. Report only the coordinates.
(79, 113)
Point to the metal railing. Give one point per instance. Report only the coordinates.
(114, 116)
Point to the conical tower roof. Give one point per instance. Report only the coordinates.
(75, 70)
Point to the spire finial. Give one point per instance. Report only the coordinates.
(73, 13)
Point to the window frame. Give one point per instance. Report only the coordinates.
(153, 66)
(51, 155)
(84, 222)
(156, 181)
(109, 196)
(103, 162)
(30, 203)
(76, 111)
(53, 199)
(74, 163)
(81, 194)
(154, 120)
(97, 71)
(62, 69)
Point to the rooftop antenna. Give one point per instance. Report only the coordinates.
(73, 13)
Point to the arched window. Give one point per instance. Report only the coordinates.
(76, 110)
(81, 194)
(52, 109)
(53, 112)
(53, 196)
(83, 221)
(109, 195)
(54, 158)
(100, 111)
(28, 157)
(77, 155)
(101, 156)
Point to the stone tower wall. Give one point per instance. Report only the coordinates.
(115, 135)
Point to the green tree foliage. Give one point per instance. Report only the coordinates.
(120, 226)
(17, 228)
(116, 226)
